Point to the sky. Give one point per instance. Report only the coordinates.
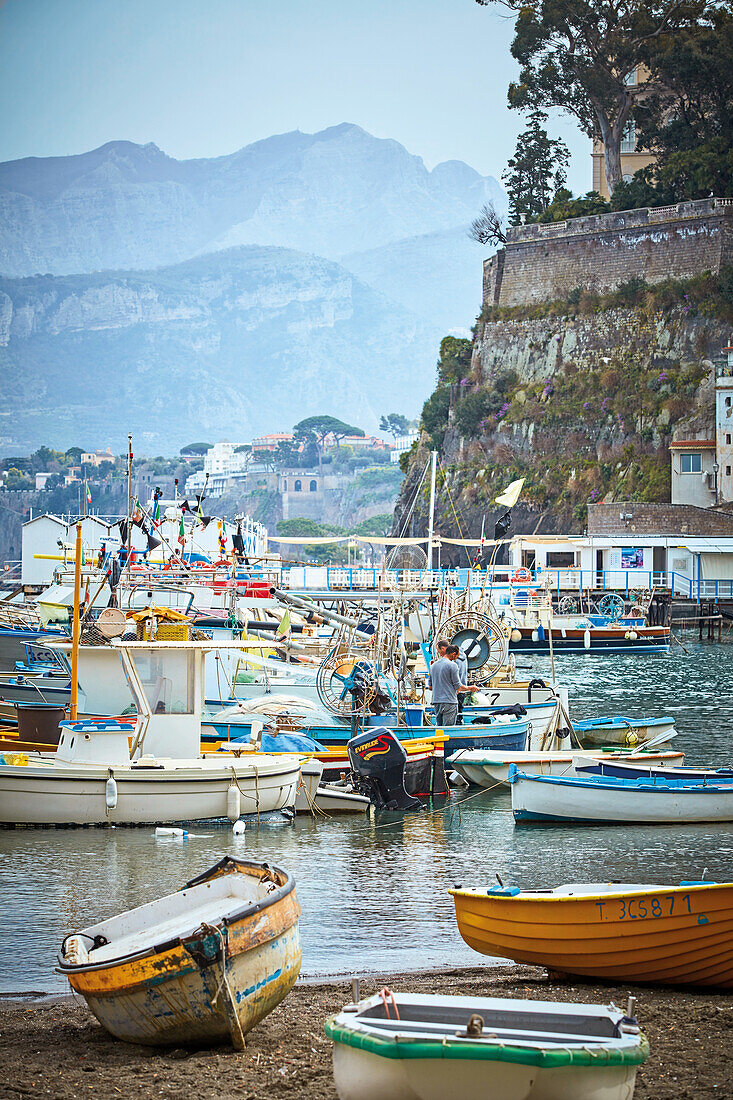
(202, 79)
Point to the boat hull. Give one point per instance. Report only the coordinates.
(75, 795)
(213, 985)
(487, 769)
(650, 639)
(361, 1075)
(625, 732)
(663, 935)
(581, 800)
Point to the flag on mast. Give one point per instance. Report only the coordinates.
(181, 533)
(510, 496)
(89, 495)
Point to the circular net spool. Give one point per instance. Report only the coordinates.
(611, 605)
(569, 605)
(481, 639)
(406, 557)
(346, 683)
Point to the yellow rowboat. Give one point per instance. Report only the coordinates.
(667, 935)
(204, 964)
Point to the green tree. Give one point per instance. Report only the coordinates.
(537, 170)
(323, 426)
(578, 56)
(318, 428)
(195, 448)
(394, 424)
(73, 456)
(687, 118)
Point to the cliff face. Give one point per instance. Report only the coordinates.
(232, 344)
(582, 405)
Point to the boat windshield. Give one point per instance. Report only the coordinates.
(166, 676)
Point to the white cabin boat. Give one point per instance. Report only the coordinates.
(104, 773)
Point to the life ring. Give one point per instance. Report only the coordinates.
(521, 575)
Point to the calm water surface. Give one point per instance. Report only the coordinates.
(373, 895)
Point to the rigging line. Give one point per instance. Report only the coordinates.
(450, 501)
(414, 501)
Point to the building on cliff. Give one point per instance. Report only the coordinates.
(632, 157)
(546, 261)
(702, 469)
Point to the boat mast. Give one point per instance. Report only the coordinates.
(431, 521)
(129, 501)
(73, 700)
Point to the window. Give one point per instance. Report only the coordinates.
(630, 78)
(691, 464)
(560, 559)
(628, 138)
(314, 487)
(297, 487)
(727, 471)
(727, 438)
(727, 402)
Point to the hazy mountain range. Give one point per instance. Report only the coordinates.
(228, 296)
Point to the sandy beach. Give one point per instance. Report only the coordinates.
(53, 1047)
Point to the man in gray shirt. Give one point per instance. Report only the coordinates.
(445, 680)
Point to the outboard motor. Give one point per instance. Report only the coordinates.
(378, 766)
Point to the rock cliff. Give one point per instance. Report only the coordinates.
(230, 344)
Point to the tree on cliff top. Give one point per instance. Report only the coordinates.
(323, 426)
(536, 172)
(578, 55)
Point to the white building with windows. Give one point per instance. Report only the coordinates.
(223, 464)
(402, 444)
(693, 473)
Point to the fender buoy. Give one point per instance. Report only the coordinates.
(521, 575)
(220, 562)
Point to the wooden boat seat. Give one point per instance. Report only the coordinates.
(439, 1031)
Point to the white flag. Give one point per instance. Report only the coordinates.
(510, 496)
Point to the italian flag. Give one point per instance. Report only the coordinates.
(89, 495)
(182, 533)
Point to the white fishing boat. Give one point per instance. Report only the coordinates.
(606, 799)
(486, 769)
(201, 965)
(103, 773)
(399, 1046)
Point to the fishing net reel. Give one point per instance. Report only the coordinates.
(347, 684)
(612, 606)
(482, 640)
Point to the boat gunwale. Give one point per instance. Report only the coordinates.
(550, 896)
(405, 1048)
(180, 941)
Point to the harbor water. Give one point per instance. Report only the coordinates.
(374, 890)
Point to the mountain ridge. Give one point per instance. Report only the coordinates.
(125, 205)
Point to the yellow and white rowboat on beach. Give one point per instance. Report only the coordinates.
(204, 964)
(668, 935)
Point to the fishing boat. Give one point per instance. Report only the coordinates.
(668, 935)
(607, 799)
(104, 772)
(646, 767)
(201, 965)
(400, 1046)
(624, 731)
(486, 769)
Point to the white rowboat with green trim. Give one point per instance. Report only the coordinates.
(425, 1047)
